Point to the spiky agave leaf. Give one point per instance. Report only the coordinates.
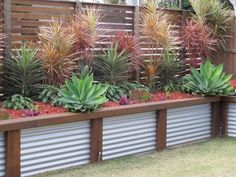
(82, 95)
(210, 80)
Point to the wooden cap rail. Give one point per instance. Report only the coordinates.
(46, 120)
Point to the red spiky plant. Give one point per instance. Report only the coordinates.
(85, 27)
(130, 44)
(198, 41)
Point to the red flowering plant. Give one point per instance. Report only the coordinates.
(198, 41)
(130, 44)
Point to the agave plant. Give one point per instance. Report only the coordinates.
(82, 95)
(217, 16)
(23, 72)
(112, 66)
(56, 52)
(210, 80)
(198, 40)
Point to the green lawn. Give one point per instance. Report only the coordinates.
(215, 158)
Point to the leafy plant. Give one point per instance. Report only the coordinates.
(85, 29)
(18, 102)
(131, 46)
(114, 92)
(170, 66)
(56, 52)
(82, 95)
(23, 72)
(217, 16)
(198, 40)
(112, 66)
(210, 80)
(50, 94)
(127, 86)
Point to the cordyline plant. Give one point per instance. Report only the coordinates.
(85, 27)
(217, 16)
(56, 52)
(129, 44)
(198, 40)
(159, 33)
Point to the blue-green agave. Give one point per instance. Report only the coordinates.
(209, 80)
(83, 95)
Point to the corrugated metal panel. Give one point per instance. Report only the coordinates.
(2, 155)
(130, 134)
(54, 147)
(188, 124)
(232, 120)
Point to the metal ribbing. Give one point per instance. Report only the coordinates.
(54, 147)
(232, 120)
(130, 134)
(188, 124)
(2, 155)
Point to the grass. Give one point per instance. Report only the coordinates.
(215, 158)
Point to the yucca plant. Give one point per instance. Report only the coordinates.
(56, 52)
(198, 40)
(130, 44)
(217, 16)
(82, 95)
(23, 72)
(170, 66)
(210, 80)
(112, 66)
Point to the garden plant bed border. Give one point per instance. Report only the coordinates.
(12, 128)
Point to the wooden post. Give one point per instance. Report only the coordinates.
(12, 153)
(136, 31)
(96, 140)
(224, 118)
(7, 27)
(215, 117)
(161, 129)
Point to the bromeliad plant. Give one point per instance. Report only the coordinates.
(23, 72)
(210, 80)
(82, 95)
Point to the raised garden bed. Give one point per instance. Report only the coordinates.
(43, 143)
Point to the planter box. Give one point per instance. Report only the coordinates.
(2, 154)
(188, 124)
(45, 143)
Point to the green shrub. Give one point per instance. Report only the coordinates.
(112, 65)
(210, 80)
(133, 86)
(50, 94)
(23, 72)
(140, 95)
(82, 95)
(19, 102)
(169, 67)
(114, 92)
